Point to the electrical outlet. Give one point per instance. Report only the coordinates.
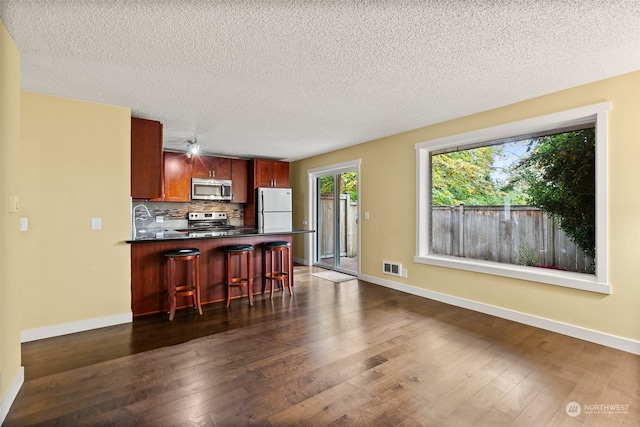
(159, 219)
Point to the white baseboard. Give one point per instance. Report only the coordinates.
(11, 395)
(590, 335)
(70, 328)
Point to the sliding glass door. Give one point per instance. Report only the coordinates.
(337, 221)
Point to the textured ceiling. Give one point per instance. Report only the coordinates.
(291, 79)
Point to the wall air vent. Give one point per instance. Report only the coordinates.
(393, 268)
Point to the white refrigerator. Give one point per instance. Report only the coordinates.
(274, 210)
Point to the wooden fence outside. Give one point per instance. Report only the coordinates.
(348, 226)
(515, 235)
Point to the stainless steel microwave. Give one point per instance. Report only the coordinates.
(210, 189)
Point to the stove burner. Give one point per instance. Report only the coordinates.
(209, 222)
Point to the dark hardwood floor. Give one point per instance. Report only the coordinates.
(342, 354)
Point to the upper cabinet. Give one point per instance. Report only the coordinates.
(211, 167)
(239, 180)
(177, 177)
(270, 173)
(179, 169)
(146, 159)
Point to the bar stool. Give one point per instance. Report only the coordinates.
(276, 265)
(233, 280)
(191, 286)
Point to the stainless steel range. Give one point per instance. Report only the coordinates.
(209, 224)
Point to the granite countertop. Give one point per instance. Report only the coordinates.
(169, 234)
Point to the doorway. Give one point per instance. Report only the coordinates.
(336, 208)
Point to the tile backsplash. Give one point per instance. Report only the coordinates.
(178, 211)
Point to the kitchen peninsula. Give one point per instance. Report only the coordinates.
(148, 288)
(172, 191)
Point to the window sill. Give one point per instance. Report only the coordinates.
(585, 282)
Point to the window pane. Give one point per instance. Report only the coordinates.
(529, 202)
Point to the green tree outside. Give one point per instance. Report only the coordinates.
(560, 178)
(468, 177)
(349, 185)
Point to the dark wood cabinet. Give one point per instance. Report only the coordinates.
(146, 159)
(211, 167)
(239, 169)
(179, 169)
(280, 172)
(177, 177)
(270, 173)
(262, 173)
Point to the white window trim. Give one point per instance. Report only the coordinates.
(595, 283)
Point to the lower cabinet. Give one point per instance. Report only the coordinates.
(148, 281)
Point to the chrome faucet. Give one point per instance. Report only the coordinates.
(133, 218)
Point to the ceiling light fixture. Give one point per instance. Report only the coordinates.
(192, 147)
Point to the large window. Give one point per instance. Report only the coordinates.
(524, 200)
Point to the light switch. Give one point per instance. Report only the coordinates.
(24, 224)
(96, 223)
(14, 203)
(366, 214)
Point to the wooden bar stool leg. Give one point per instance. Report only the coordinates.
(197, 285)
(289, 272)
(273, 269)
(229, 275)
(264, 270)
(171, 277)
(267, 260)
(250, 276)
(281, 268)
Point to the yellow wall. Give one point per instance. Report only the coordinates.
(75, 166)
(388, 168)
(10, 243)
